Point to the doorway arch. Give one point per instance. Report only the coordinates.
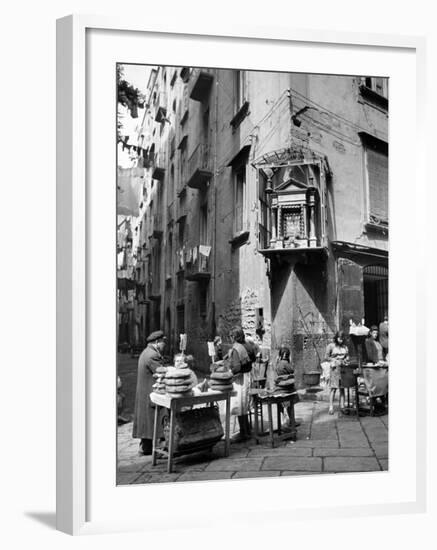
(375, 282)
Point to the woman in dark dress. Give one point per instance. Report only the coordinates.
(337, 354)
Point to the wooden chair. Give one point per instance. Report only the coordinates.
(259, 379)
(348, 381)
(373, 386)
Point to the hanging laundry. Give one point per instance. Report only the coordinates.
(129, 186)
(204, 250)
(189, 256)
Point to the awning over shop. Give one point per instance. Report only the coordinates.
(359, 252)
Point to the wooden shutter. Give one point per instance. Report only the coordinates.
(350, 293)
(377, 171)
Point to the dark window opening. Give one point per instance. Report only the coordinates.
(203, 300)
(375, 280)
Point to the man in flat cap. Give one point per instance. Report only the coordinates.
(150, 359)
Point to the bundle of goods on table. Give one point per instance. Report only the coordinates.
(179, 380)
(285, 383)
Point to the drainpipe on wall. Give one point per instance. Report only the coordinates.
(214, 225)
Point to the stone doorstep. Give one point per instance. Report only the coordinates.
(351, 464)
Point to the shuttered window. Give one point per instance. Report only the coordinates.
(377, 180)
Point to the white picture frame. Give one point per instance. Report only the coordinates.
(75, 397)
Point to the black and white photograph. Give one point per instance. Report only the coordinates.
(252, 274)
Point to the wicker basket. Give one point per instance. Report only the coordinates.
(196, 429)
(311, 378)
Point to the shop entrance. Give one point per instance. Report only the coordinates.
(375, 279)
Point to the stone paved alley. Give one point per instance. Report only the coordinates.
(326, 444)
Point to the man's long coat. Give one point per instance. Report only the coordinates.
(149, 360)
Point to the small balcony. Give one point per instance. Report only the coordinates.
(172, 140)
(199, 169)
(161, 107)
(180, 260)
(159, 165)
(197, 263)
(157, 226)
(294, 230)
(181, 211)
(155, 292)
(170, 213)
(184, 106)
(200, 84)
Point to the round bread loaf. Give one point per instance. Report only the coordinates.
(178, 389)
(285, 386)
(284, 377)
(177, 381)
(222, 387)
(178, 373)
(220, 368)
(185, 394)
(221, 375)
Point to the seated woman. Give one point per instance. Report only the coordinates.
(374, 350)
(337, 354)
(283, 365)
(285, 368)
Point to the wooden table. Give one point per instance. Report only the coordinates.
(260, 398)
(175, 404)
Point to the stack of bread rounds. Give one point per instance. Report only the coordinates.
(221, 380)
(285, 382)
(178, 381)
(159, 385)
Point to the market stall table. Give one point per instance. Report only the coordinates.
(373, 383)
(175, 404)
(369, 380)
(278, 398)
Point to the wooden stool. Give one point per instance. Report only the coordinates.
(275, 399)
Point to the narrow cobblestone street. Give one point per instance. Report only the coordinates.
(326, 444)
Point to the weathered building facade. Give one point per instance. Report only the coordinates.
(265, 204)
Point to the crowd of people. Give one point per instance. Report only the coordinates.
(240, 358)
(337, 355)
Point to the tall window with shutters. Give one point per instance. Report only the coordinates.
(240, 89)
(239, 199)
(379, 85)
(376, 171)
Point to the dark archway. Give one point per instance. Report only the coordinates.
(375, 282)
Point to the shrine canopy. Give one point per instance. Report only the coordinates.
(288, 156)
(292, 185)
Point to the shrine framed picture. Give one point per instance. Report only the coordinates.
(208, 188)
